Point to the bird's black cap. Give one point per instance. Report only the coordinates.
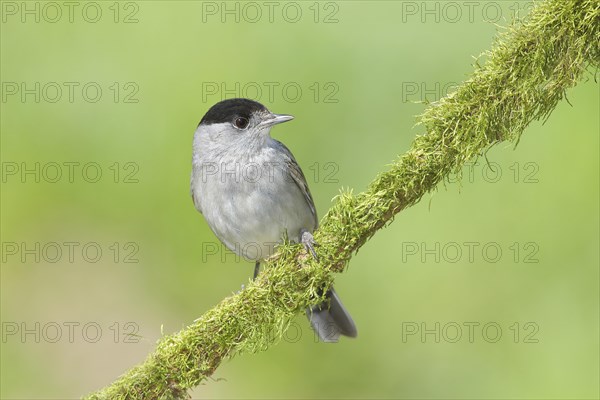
(227, 110)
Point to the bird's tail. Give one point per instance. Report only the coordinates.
(330, 319)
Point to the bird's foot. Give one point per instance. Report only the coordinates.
(243, 287)
(308, 241)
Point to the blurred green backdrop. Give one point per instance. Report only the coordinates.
(486, 289)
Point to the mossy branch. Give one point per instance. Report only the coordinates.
(527, 72)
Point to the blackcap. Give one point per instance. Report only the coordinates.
(253, 193)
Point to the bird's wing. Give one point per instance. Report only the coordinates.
(297, 176)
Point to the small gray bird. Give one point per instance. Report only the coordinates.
(252, 193)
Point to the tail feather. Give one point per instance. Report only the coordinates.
(330, 319)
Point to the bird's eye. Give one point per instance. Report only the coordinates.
(241, 122)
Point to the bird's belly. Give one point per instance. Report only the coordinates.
(250, 218)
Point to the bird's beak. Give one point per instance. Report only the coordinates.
(275, 119)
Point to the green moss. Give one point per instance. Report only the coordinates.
(526, 73)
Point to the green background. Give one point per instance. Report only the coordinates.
(543, 196)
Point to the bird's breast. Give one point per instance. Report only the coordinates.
(250, 203)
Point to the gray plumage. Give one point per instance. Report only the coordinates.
(252, 192)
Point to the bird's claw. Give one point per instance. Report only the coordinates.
(309, 243)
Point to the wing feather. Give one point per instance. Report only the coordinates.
(295, 172)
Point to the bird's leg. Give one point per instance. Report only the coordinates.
(256, 269)
(309, 243)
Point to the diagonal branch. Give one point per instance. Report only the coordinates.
(526, 73)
